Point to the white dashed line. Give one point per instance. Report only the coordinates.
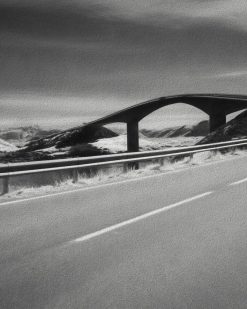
(139, 218)
(238, 182)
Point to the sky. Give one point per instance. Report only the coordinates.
(70, 61)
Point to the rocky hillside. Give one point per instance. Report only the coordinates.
(71, 137)
(69, 143)
(200, 129)
(234, 129)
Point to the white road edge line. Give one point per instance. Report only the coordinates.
(86, 188)
(138, 218)
(238, 182)
(91, 187)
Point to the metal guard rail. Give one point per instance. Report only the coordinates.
(15, 169)
(18, 169)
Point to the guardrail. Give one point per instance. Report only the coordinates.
(17, 169)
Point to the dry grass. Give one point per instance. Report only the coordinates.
(48, 183)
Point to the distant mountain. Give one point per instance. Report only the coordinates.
(69, 143)
(19, 136)
(234, 129)
(89, 141)
(200, 129)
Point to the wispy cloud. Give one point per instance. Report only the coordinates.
(229, 75)
(130, 50)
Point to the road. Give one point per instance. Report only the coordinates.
(177, 240)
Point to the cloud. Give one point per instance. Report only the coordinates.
(228, 12)
(231, 75)
(127, 50)
(52, 21)
(81, 19)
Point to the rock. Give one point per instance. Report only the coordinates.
(234, 129)
(200, 129)
(71, 137)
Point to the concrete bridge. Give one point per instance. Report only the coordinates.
(216, 106)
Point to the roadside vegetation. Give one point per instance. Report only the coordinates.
(49, 183)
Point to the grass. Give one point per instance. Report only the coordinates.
(35, 185)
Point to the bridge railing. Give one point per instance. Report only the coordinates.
(74, 164)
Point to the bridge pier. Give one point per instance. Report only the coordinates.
(132, 136)
(216, 120)
(132, 142)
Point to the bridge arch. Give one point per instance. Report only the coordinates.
(151, 107)
(172, 115)
(217, 106)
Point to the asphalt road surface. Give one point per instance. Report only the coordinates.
(177, 240)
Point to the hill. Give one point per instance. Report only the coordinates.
(71, 137)
(91, 141)
(200, 129)
(69, 143)
(234, 129)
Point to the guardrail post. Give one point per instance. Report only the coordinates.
(5, 182)
(125, 167)
(75, 176)
(163, 161)
(214, 152)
